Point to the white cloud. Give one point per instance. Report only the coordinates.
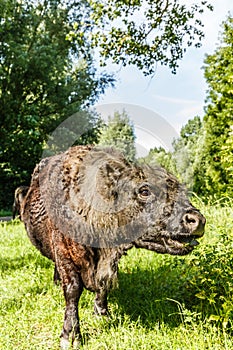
(179, 101)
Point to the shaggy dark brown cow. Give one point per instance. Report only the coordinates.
(19, 196)
(86, 207)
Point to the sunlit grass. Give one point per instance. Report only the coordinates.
(154, 307)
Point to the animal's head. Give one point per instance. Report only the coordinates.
(100, 199)
(174, 224)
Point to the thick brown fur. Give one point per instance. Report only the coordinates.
(86, 207)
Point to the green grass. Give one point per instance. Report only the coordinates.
(162, 302)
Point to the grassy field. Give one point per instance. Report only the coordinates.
(162, 302)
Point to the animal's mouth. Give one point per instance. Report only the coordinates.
(187, 241)
(179, 245)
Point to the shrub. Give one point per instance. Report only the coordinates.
(207, 273)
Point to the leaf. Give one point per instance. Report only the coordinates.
(201, 295)
(215, 318)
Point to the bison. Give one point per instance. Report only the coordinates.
(87, 206)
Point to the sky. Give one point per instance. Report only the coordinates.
(174, 98)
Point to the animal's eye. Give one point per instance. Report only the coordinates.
(144, 192)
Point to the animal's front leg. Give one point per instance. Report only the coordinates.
(101, 303)
(72, 287)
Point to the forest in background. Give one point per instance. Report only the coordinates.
(203, 153)
(48, 73)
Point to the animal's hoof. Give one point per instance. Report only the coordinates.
(64, 344)
(76, 344)
(100, 311)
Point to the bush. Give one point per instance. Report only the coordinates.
(207, 273)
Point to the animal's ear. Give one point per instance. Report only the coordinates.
(108, 178)
(112, 171)
(109, 169)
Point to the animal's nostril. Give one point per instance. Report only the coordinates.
(194, 223)
(190, 219)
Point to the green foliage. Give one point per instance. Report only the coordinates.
(159, 156)
(203, 154)
(186, 154)
(226, 155)
(119, 133)
(217, 154)
(183, 161)
(208, 272)
(190, 131)
(143, 33)
(44, 79)
(162, 302)
(5, 213)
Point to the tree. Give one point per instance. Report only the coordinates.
(226, 155)
(119, 133)
(204, 151)
(47, 71)
(142, 33)
(44, 78)
(186, 154)
(217, 154)
(184, 161)
(159, 156)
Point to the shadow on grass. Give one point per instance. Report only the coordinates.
(150, 296)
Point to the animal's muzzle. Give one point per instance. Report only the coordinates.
(194, 222)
